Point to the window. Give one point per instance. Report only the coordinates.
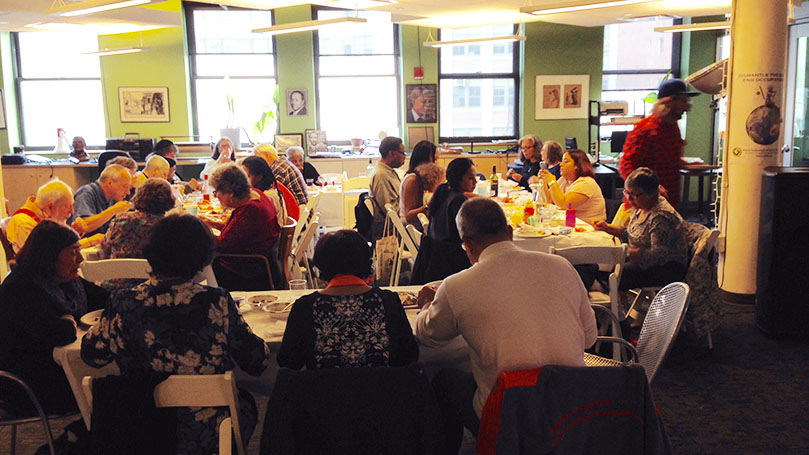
(357, 76)
(636, 59)
(59, 87)
(477, 85)
(229, 61)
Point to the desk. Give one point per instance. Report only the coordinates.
(701, 171)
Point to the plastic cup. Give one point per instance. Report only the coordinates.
(297, 287)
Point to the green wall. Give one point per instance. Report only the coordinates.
(165, 64)
(414, 54)
(560, 49)
(296, 68)
(9, 136)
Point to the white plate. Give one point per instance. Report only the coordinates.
(531, 234)
(91, 318)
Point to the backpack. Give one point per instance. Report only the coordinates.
(364, 217)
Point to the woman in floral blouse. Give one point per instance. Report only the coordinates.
(658, 252)
(171, 324)
(349, 324)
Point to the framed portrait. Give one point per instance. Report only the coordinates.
(562, 97)
(316, 142)
(144, 104)
(2, 111)
(297, 102)
(285, 141)
(421, 103)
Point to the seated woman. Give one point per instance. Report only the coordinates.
(577, 188)
(261, 177)
(530, 146)
(658, 252)
(310, 174)
(443, 254)
(129, 231)
(169, 324)
(552, 153)
(349, 324)
(251, 229)
(223, 152)
(257, 172)
(411, 190)
(40, 302)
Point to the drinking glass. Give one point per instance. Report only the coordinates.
(296, 287)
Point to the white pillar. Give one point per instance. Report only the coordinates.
(756, 96)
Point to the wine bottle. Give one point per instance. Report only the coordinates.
(495, 181)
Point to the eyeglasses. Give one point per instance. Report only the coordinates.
(526, 148)
(631, 195)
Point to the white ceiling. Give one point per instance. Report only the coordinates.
(15, 15)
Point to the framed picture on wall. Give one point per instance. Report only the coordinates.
(421, 103)
(297, 102)
(316, 142)
(285, 141)
(144, 104)
(562, 97)
(2, 111)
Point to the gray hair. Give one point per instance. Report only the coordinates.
(53, 191)
(113, 172)
(535, 140)
(124, 161)
(231, 179)
(154, 197)
(481, 218)
(294, 150)
(643, 179)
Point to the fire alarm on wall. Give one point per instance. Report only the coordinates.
(418, 72)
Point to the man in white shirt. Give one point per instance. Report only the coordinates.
(509, 322)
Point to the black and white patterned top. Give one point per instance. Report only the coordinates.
(363, 330)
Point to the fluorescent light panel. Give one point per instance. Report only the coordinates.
(539, 11)
(307, 25)
(695, 27)
(117, 50)
(94, 6)
(460, 42)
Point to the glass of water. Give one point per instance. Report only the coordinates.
(296, 287)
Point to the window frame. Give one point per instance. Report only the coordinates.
(16, 67)
(514, 75)
(316, 55)
(190, 35)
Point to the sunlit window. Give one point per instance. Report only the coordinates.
(357, 76)
(59, 87)
(477, 84)
(229, 62)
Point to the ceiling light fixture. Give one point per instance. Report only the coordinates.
(119, 50)
(578, 6)
(700, 26)
(59, 7)
(508, 38)
(307, 25)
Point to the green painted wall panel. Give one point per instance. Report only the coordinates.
(414, 54)
(9, 136)
(296, 69)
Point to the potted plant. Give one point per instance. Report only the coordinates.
(264, 128)
(230, 131)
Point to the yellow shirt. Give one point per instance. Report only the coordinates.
(21, 224)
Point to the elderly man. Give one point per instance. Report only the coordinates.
(285, 172)
(295, 156)
(156, 167)
(385, 182)
(78, 149)
(545, 320)
(421, 106)
(656, 143)
(97, 202)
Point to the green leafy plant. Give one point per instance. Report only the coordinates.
(268, 115)
(230, 102)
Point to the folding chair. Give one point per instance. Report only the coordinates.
(300, 258)
(414, 234)
(406, 250)
(8, 419)
(203, 390)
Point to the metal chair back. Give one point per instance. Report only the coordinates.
(662, 323)
(13, 421)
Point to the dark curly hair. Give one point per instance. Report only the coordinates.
(38, 255)
(344, 252)
(180, 246)
(154, 197)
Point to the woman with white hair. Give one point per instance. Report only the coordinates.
(310, 174)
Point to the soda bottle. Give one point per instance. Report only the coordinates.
(570, 216)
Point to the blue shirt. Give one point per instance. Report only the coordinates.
(89, 201)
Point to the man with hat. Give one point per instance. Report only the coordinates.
(656, 142)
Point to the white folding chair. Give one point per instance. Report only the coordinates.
(203, 390)
(303, 221)
(414, 234)
(109, 269)
(314, 201)
(300, 258)
(424, 221)
(406, 251)
(606, 255)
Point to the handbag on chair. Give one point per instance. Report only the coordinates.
(385, 253)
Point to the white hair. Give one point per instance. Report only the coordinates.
(52, 192)
(294, 150)
(113, 172)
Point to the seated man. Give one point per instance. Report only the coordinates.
(156, 166)
(285, 172)
(78, 149)
(542, 321)
(97, 202)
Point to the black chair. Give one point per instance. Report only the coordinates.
(12, 417)
(352, 410)
(103, 157)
